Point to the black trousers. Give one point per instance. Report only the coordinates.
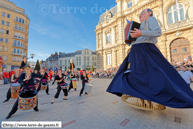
(8, 96)
(83, 85)
(58, 92)
(15, 107)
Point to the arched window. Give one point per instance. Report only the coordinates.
(173, 13)
(184, 50)
(107, 18)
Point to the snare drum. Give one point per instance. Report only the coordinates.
(44, 86)
(74, 83)
(27, 100)
(15, 87)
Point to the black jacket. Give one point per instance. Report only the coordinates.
(22, 64)
(83, 78)
(71, 65)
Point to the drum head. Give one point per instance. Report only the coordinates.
(15, 84)
(28, 94)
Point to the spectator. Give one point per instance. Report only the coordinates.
(6, 77)
(186, 75)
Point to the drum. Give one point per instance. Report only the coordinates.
(66, 85)
(15, 87)
(44, 86)
(27, 100)
(74, 83)
(88, 88)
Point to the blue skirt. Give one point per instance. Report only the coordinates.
(151, 78)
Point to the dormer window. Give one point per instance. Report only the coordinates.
(107, 18)
(130, 4)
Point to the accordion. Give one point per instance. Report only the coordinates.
(128, 28)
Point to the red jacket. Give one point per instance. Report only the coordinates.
(5, 75)
(12, 72)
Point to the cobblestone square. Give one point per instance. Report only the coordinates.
(98, 110)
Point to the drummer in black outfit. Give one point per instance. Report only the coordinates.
(14, 79)
(72, 75)
(46, 79)
(59, 79)
(84, 79)
(27, 79)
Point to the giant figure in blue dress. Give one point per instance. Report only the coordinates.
(146, 74)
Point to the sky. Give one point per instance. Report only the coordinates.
(62, 25)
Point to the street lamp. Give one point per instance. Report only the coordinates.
(32, 55)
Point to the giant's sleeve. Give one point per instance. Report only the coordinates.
(154, 28)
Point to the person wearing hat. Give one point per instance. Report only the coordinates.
(27, 79)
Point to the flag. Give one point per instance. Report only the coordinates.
(128, 21)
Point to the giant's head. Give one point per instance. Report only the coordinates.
(145, 14)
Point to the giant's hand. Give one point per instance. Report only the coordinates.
(135, 33)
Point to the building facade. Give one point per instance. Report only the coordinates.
(175, 43)
(14, 25)
(83, 59)
(52, 62)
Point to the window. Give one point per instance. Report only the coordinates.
(8, 15)
(68, 61)
(173, 14)
(1, 48)
(7, 24)
(16, 19)
(5, 58)
(85, 52)
(2, 30)
(1, 39)
(174, 51)
(77, 63)
(6, 40)
(20, 20)
(84, 58)
(88, 58)
(108, 38)
(77, 58)
(130, 4)
(18, 43)
(108, 59)
(6, 49)
(60, 62)
(3, 14)
(107, 18)
(65, 62)
(2, 22)
(17, 51)
(184, 50)
(7, 31)
(87, 63)
(14, 51)
(84, 63)
(15, 43)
